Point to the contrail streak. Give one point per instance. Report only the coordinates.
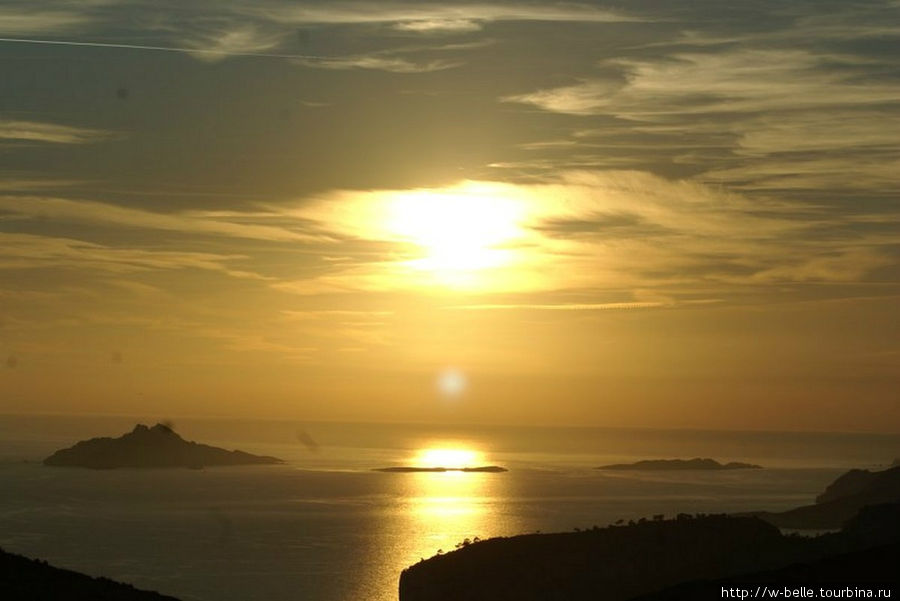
(158, 48)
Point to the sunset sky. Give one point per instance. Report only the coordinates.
(643, 213)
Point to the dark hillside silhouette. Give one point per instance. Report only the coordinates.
(622, 562)
(23, 579)
(841, 500)
(871, 568)
(616, 562)
(851, 483)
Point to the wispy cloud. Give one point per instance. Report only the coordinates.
(762, 111)
(400, 59)
(821, 130)
(412, 12)
(22, 251)
(616, 230)
(733, 81)
(849, 264)
(214, 31)
(196, 222)
(380, 63)
(341, 313)
(584, 98)
(216, 52)
(240, 39)
(52, 133)
(438, 26)
(818, 175)
(27, 21)
(562, 307)
(24, 183)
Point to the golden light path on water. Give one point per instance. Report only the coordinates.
(448, 507)
(438, 510)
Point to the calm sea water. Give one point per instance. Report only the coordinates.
(324, 527)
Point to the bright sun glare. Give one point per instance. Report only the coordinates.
(449, 458)
(460, 232)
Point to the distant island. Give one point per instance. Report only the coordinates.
(680, 464)
(413, 469)
(154, 447)
(35, 580)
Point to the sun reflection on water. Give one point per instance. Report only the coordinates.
(436, 511)
(448, 507)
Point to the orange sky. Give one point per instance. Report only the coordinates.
(493, 213)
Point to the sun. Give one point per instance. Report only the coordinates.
(472, 236)
(447, 457)
(460, 232)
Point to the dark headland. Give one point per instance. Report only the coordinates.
(154, 447)
(680, 464)
(413, 469)
(840, 501)
(34, 580)
(689, 557)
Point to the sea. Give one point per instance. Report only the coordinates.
(324, 526)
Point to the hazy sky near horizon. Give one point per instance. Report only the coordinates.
(642, 213)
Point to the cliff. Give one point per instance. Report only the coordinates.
(841, 500)
(869, 569)
(864, 554)
(158, 446)
(23, 578)
(851, 483)
(605, 563)
(685, 558)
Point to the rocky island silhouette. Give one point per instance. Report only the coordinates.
(680, 464)
(145, 447)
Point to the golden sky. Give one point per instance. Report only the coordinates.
(642, 214)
